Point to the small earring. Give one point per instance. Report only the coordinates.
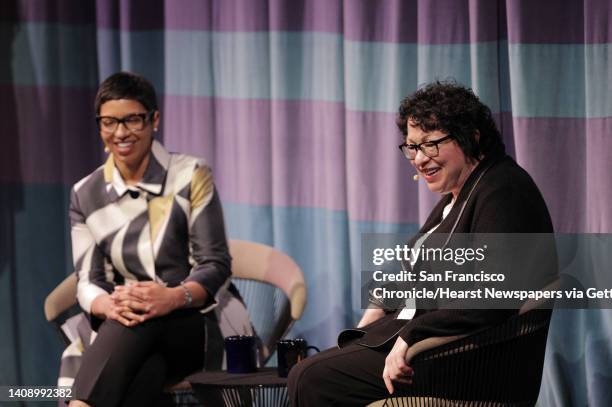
(106, 149)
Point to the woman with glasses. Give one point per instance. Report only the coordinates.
(452, 142)
(151, 256)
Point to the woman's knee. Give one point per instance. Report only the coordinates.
(306, 376)
(294, 377)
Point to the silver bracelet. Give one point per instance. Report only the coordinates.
(187, 294)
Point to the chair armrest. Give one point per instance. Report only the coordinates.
(430, 343)
(61, 298)
(516, 326)
(256, 261)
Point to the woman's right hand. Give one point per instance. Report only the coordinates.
(106, 307)
(370, 315)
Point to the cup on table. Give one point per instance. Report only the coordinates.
(241, 354)
(290, 352)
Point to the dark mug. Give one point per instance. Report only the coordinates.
(290, 352)
(241, 354)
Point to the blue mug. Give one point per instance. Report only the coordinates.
(241, 354)
(289, 353)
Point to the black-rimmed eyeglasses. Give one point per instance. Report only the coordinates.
(132, 122)
(429, 148)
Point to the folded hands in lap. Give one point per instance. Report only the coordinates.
(135, 303)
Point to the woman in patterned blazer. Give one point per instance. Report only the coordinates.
(151, 255)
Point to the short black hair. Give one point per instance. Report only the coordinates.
(126, 85)
(455, 110)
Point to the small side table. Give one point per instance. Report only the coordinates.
(262, 388)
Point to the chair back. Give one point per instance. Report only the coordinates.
(60, 304)
(498, 366)
(273, 288)
(61, 299)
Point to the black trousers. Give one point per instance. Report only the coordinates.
(128, 366)
(351, 376)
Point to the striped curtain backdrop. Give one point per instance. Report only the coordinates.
(293, 102)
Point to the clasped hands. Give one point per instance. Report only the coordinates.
(135, 303)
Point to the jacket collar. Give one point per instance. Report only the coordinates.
(152, 180)
(436, 214)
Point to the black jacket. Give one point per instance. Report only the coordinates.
(498, 197)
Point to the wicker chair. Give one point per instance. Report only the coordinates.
(500, 366)
(271, 284)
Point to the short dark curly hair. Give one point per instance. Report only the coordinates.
(126, 85)
(455, 110)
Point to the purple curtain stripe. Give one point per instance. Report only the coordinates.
(436, 21)
(572, 22)
(598, 158)
(307, 15)
(598, 18)
(379, 179)
(562, 183)
(380, 21)
(64, 11)
(226, 15)
(59, 143)
(459, 21)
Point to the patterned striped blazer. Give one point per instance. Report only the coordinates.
(167, 228)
